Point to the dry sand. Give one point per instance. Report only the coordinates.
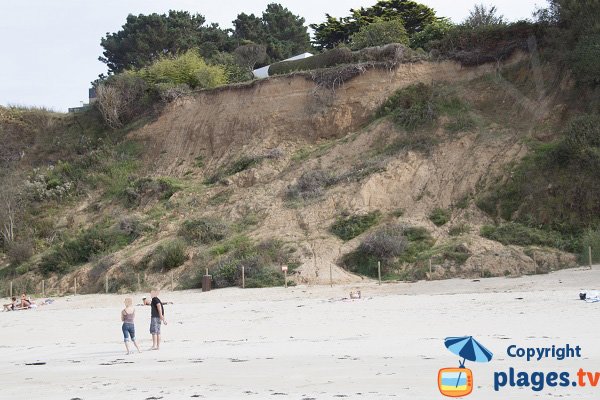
(301, 343)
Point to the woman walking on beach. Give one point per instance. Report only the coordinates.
(127, 316)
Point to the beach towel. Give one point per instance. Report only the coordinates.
(592, 296)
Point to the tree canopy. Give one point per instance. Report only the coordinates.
(145, 38)
(282, 32)
(414, 17)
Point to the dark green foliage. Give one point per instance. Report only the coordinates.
(167, 256)
(282, 32)
(142, 190)
(490, 43)
(145, 38)
(83, 247)
(458, 230)
(394, 246)
(440, 216)
(203, 230)
(414, 17)
(590, 238)
(514, 233)
(431, 33)
(411, 107)
(350, 226)
(261, 263)
(379, 33)
(556, 186)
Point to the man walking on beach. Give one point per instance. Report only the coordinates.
(157, 317)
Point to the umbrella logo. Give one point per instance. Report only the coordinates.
(458, 382)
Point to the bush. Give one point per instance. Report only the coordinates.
(19, 252)
(349, 227)
(585, 60)
(261, 263)
(143, 190)
(186, 69)
(411, 107)
(591, 238)
(379, 33)
(168, 256)
(83, 248)
(439, 216)
(310, 185)
(432, 32)
(203, 231)
(458, 230)
(121, 98)
(521, 235)
(394, 246)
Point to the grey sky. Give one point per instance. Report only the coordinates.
(50, 48)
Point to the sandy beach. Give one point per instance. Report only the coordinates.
(302, 342)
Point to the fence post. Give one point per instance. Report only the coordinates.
(590, 255)
(43, 288)
(106, 283)
(75, 286)
(285, 277)
(430, 271)
(243, 277)
(330, 275)
(139, 287)
(172, 284)
(11, 291)
(379, 271)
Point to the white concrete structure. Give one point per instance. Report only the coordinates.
(263, 72)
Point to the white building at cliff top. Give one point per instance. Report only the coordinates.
(263, 72)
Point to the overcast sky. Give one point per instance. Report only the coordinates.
(49, 49)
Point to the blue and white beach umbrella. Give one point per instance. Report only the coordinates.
(469, 349)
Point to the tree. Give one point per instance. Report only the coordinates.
(379, 33)
(249, 55)
(434, 31)
(481, 16)
(11, 206)
(283, 33)
(414, 16)
(145, 38)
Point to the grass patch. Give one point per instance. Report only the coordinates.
(460, 229)
(221, 197)
(350, 226)
(166, 256)
(83, 247)
(203, 231)
(440, 216)
(521, 235)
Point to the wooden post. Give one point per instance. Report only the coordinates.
(331, 275)
(172, 285)
(206, 272)
(534, 265)
(139, 287)
(590, 255)
(106, 283)
(379, 271)
(430, 271)
(43, 288)
(11, 292)
(285, 277)
(243, 277)
(75, 286)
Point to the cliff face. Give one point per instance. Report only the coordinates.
(288, 108)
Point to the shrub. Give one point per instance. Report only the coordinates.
(349, 227)
(461, 123)
(411, 107)
(19, 252)
(143, 190)
(186, 69)
(514, 233)
(585, 59)
(310, 185)
(459, 229)
(379, 33)
(203, 230)
(168, 256)
(121, 98)
(261, 263)
(440, 216)
(432, 32)
(394, 246)
(83, 247)
(591, 238)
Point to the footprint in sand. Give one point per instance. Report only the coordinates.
(235, 360)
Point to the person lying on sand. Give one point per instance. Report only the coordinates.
(146, 302)
(128, 327)
(11, 306)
